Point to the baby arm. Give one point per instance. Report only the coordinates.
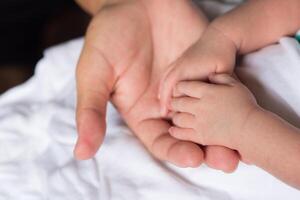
(226, 113)
(258, 23)
(250, 26)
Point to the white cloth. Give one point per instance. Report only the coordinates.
(37, 136)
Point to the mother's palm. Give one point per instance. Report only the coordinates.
(128, 47)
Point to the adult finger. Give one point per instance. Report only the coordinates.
(221, 158)
(153, 133)
(94, 84)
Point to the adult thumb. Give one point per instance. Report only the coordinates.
(94, 78)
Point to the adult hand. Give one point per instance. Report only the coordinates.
(128, 47)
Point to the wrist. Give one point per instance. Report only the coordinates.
(246, 138)
(222, 47)
(231, 33)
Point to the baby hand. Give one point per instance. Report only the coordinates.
(211, 114)
(213, 53)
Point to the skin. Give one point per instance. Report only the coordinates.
(128, 46)
(236, 122)
(239, 31)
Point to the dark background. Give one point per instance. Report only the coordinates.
(29, 26)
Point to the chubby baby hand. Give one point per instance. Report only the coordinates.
(211, 113)
(212, 53)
